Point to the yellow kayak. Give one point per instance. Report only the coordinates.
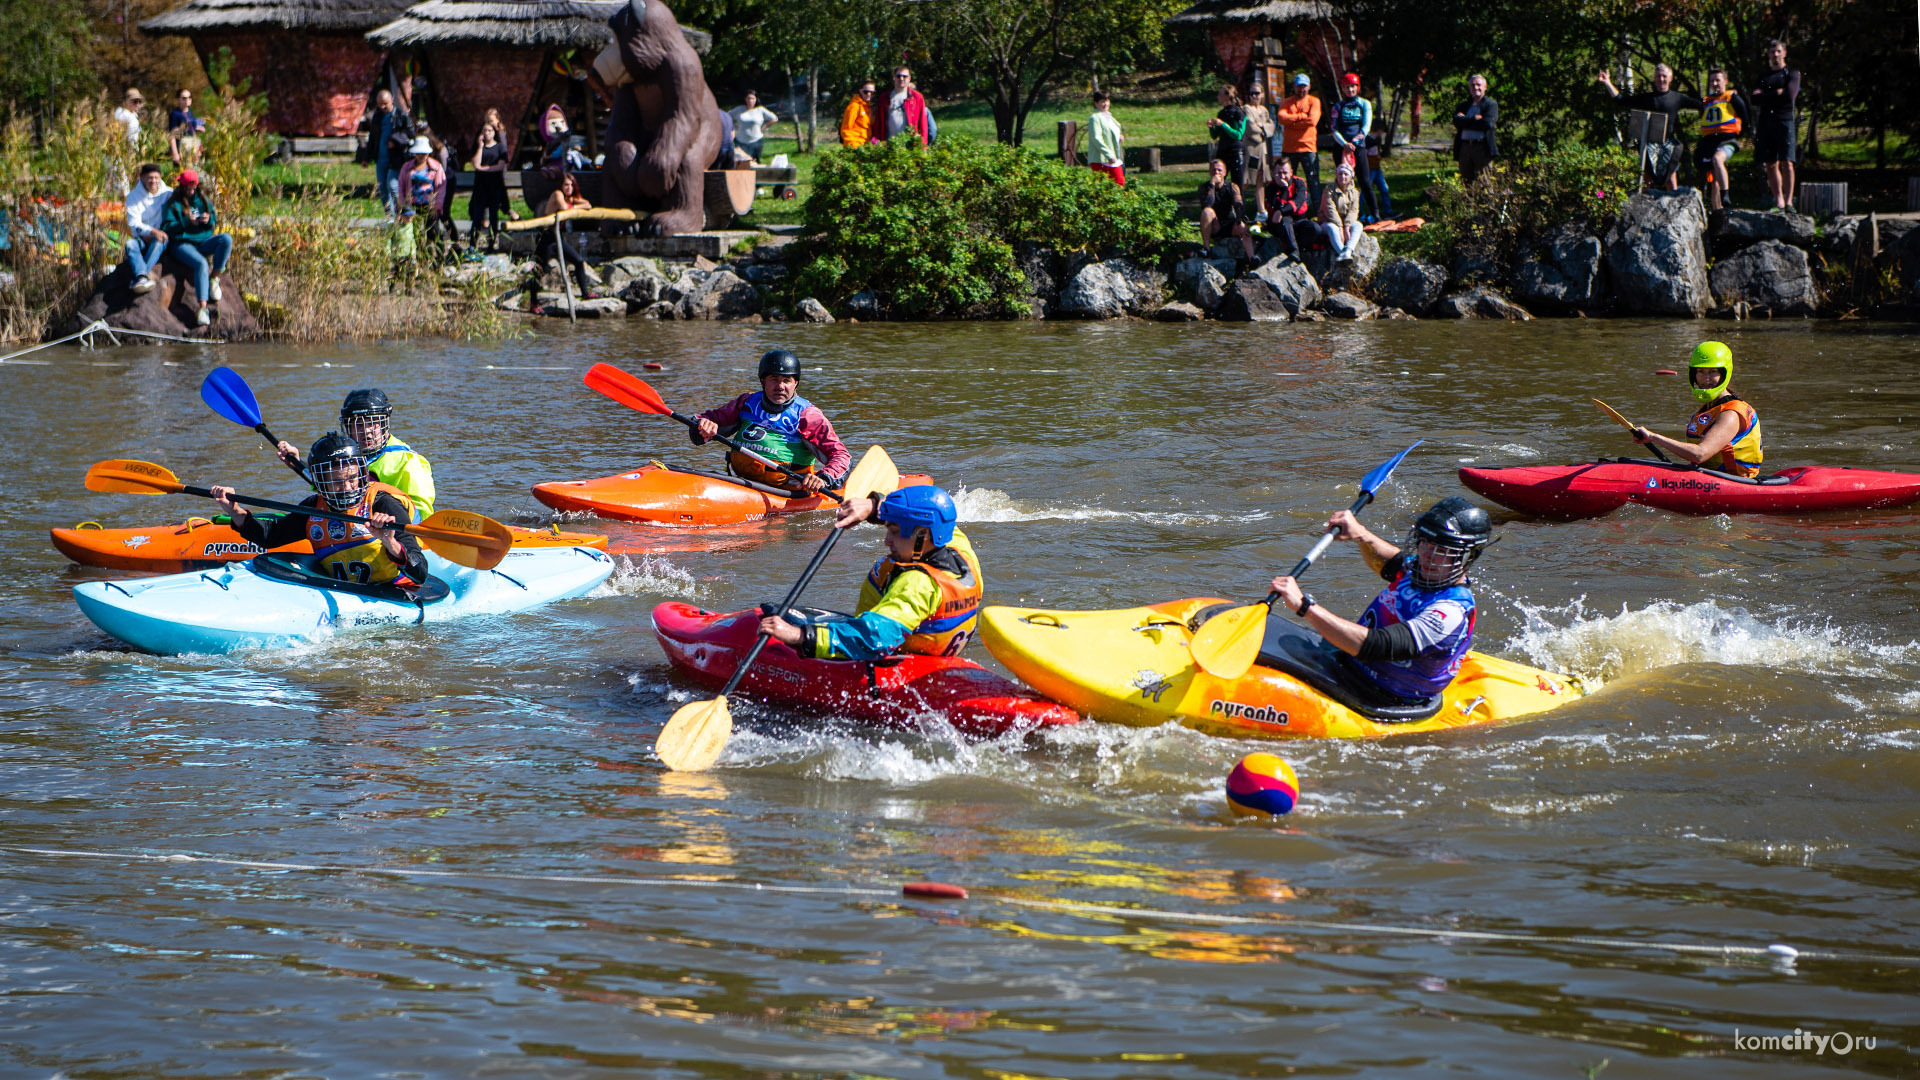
(1133, 666)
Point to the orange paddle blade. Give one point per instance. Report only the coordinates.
(465, 537)
(1615, 413)
(127, 476)
(693, 740)
(1229, 643)
(625, 389)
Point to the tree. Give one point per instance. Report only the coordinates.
(49, 41)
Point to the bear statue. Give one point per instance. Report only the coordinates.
(664, 130)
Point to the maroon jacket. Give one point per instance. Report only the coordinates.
(1290, 203)
(915, 107)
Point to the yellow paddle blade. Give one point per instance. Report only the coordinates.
(465, 537)
(693, 739)
(1228, 644)
(1615, 413)
(129, 477)
(874, 472)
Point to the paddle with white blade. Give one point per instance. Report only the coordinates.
(694, 739)
(1228, 644)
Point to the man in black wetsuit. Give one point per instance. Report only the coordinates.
(1664, 157)
(1775, 127)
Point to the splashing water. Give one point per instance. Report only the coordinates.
(650, 576)
(992, 504)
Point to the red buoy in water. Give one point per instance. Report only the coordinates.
(938, 889)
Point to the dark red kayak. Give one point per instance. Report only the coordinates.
(895, 690)
(1582, 491)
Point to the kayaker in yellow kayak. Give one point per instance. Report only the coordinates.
(1411, 639)
(368, 554)
(777, 423)
(364, 418)
(922, 596)
(1725, 427)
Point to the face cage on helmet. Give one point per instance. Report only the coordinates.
(371, 424)
(1454, 559)
(341, 483)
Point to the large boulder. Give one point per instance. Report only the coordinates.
(1473, 266)
(1343, 305)
(1177, 312)
(1480, 304)
(1410, 285)
(1567, 274)
(1657, 255)
(814, 311)
(1280, 289)
(1039, 267)
(1738, 228)
(623, 272)
(169, 308)
(1188, 272)
(1112, 289)
(1769, 277)
(719, 294)
(1335, 276)
(1210, 289)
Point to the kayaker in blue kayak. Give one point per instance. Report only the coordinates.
(777, 423)
(1725, 431)
(1411, 639)
(365, 417)
(922, 596)
(370, 554)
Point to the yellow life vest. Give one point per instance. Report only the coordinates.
(1742, 456)
(1718, 116)
(948, 628)
(350, 551)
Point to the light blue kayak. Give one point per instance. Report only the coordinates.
(276, 601)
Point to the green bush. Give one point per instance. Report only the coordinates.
(932, 230)
(1515, 203)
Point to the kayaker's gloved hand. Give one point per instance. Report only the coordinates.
(853, 512)
(783, 631)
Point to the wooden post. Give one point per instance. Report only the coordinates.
(1913, 194)
(1817, 200)
(560, 250)
(1069, 137)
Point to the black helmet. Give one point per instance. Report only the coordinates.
(1458, 531)
(779, 362)
(338, 468)
(363, 416)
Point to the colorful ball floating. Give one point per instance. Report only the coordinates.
(1262, 784)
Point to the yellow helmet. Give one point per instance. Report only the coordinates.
(1711, 355)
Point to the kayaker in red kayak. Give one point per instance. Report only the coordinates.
(368, 554)
(365, 417)
(1725, 428)
(1411, 639)
(922, 596)
(777, 423)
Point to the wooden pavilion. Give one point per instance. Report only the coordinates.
(1250, 35)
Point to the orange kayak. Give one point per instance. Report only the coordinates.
(681, 498)
(204, 543)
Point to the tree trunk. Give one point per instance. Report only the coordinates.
(813, 107)
(1393, 124)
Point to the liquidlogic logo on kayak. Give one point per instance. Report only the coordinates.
(1259, 714)
(1654, 483)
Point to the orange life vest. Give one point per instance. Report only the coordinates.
(350, 551)
(1718, 116)
(1741, 456)
(947, 630)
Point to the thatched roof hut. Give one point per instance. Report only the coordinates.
(310, 57)
(1311, 27)
(558, 24)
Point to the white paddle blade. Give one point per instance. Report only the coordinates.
(875, 471)
(696, 736)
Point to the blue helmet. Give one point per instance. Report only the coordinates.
(922, 504)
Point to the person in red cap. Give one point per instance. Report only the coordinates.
(1352, 120)
(189, 222)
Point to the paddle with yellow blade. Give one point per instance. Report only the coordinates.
(1228, 644)
(1629, 425)
(455, 535)
(696, 735)
(635, 394)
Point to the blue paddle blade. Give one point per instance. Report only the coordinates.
(1371, 485)
(226, 393)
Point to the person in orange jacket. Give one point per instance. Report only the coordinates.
(856, 123)
(1299, 117)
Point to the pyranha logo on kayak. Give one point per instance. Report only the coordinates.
(1151, 683)
(1233, 710)
(229, 547)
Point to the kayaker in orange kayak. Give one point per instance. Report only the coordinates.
(372, 554)
(1411, 639)
(777, 423)
(1725, 428)
(365, 417)
(922, 596)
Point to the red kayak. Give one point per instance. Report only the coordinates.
(896, 690)
(1583, 491)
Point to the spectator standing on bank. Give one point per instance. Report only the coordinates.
(1229, 127)
(1776, 130)
(905, 110)
(1299, 118)
(1286, 204)
(1340, 213)
(189, 221)
(1663, 157)
(856, 123)
(489, 202)
(127, 113)
(184, 130)
(146, 240)
(1259, 140)
(750, 126)
(1723, 116)
(389, 133)
(1222, 211)
(422, 180)
(1351, 122)
(1474, 122)
(1379, 178)
(1104, 138)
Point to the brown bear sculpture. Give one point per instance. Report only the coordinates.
(665, 126)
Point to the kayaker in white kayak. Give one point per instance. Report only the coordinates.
(922, 596)
(365, 417)
(1724, 428)
(1411, 639)
(779, 424)
(368, 554)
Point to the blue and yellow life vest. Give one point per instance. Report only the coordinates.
(350, 551)
(947, 630)
(1429, 673)
(1742, 456)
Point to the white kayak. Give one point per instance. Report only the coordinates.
(276, 601)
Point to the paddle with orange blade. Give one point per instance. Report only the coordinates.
(694, 739)
(455, 535)
(1629, 425)
(635, 394)
(1228, 644)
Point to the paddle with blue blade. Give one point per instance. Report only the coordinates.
(1229, 643)
(226, 393)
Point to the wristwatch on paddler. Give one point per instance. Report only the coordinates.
(1306, 601)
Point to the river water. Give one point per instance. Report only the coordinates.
(1748, 774)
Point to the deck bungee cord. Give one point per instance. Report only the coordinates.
(1782, 956)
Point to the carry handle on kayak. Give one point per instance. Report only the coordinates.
(226, 393)
(635, 394)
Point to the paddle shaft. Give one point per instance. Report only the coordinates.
(694, 425)
(286, 508)
(1320, 547)
(1620, 419)
(793, 596)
